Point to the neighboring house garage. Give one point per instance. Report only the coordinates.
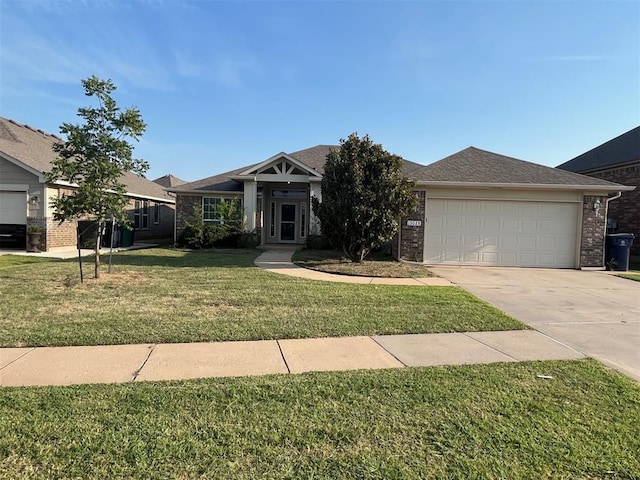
(13, 218)
(25, 196)
(617, 160)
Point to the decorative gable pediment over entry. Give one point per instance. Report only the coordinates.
(281, 165)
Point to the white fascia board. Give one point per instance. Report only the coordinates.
(297, 163)
(527, 186)
(24, 166)
(205, 193)
(274, 178)
(62, 183)
(14, 187)
(147, 197)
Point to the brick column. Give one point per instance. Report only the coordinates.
(593, 231)
(411, 244)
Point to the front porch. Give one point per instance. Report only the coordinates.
(277, 200)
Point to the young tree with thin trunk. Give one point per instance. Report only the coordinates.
(93, 159)
(364, 196)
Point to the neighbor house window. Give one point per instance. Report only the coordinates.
(214, 209)
(156, 213)
(141, 214)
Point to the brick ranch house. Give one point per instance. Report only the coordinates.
(475, 208)
(617, 160)
(25, 153)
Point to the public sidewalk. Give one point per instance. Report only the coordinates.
(146, 362)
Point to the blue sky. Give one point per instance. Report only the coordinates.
(226, 84)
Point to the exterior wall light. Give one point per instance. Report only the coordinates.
(596, 206)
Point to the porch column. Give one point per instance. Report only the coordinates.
(314, 222)
(250, 204)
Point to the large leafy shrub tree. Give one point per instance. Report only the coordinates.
(364, 196)
(94, 157)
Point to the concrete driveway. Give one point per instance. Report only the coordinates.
(596, 313)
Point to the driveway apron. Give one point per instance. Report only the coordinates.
(596, 313)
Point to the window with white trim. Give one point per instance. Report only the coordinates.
(213, 208)
(156, 213)
(141, 214)
(303, 220)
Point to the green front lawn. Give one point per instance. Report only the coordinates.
(633, 273)
(166, 296)
(482, 421)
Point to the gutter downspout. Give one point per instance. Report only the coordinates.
(606, 214)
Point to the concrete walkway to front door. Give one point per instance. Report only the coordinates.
(596, 313)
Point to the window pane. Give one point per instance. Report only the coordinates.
(288, 213)
(289, 193)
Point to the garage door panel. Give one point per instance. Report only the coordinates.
(453, 223)
(471, 240)
(453, 241)
(471, 257)
(490, 224)
(504, 233)
(527, 242)
(490, 241)
(13, 208)
(528, 226)
(489, 258)
(509, 225)
(471, 223)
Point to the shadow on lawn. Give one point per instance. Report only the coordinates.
(221, 258)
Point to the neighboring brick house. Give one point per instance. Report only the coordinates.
(475, 208)
(617, 160)
(25, 154)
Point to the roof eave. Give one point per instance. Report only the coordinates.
(529, 186)
(206, 192)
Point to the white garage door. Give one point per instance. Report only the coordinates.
(501, 233)
(13, 208)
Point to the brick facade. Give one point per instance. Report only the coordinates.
(58, 235)
(624, 211)
(411, 234)
(593, 231)
(184, 211)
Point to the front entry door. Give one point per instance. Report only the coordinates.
(287, 222)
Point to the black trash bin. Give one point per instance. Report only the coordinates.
(617, 250)
(87, 231)
(106, 236)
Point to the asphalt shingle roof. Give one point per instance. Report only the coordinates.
(32, 147)
(169, 180)
(622, 149)
(473, 165)
(313, 157)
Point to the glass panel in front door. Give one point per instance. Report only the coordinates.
(287, 222)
